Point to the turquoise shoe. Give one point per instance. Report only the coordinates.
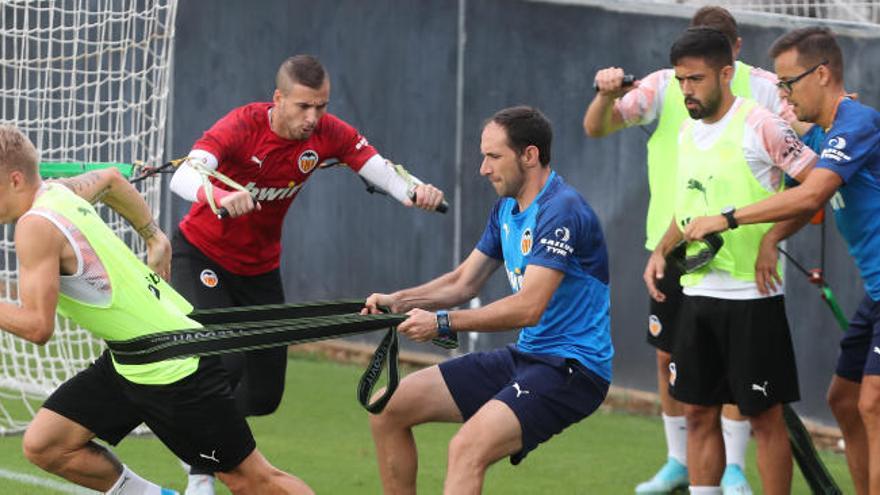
(734, 481)
(672, 476)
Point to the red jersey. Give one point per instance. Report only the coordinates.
(274, 170)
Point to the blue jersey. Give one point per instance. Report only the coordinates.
(852, 151)
(558, 230)
(814, 138)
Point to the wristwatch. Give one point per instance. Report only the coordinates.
(443, 329)
(728, 214)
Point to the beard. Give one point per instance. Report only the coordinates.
(513, 185)
(707, 109)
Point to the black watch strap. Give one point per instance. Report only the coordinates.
(731, 220)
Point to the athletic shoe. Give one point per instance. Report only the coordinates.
(168, 491)
(672, 476)
(734, 481)
(200, 484)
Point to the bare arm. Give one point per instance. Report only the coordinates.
(766, 274)
(112, 189)
(815, 190)
(669, 240)
(656, 266)
(784, 229)
(109, 187)
(817, 187)
(522, 309)
(601, 117)
(445, 291)
(38, 246)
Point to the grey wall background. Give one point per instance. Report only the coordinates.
(393, 70)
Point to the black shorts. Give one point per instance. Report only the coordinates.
(663, 320)
(206, 284)
(258, 376)
(546, 393)
(860, 345)
(195, 417)
(734, 351)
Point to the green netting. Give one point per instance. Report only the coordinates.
(69, 169)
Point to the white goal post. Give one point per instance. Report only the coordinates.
(87, 81)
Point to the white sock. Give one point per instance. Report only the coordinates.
(736, 440)
(676, 437)
(130, 483)
(194, 480)
(200, 475)
(705, 490)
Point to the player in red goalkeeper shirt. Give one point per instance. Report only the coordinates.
(270, 148)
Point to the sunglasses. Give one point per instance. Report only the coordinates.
(787, 85)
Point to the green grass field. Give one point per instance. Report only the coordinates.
(321, 434)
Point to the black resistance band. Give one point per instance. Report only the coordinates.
(248, 328)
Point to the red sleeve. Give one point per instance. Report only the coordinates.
(226, 136)
(347, 143)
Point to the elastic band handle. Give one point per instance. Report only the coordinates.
(386, 352)
(443, 207)
(222, 212)
(628, 80)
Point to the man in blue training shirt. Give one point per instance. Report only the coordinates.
(809, 64)
(514, 398)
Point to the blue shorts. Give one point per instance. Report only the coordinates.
(547, 393)
(860, 345)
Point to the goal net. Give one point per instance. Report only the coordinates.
(88, 82)
(864, 12)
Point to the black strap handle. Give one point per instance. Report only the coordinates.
(388, 350)
(628, 80)
(443, 207)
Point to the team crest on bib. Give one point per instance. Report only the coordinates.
(525, 242)
(307, 161)
(654, 326)
(209, 278)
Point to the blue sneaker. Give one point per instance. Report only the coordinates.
(168, 491)
(734, 481)
(672, 476)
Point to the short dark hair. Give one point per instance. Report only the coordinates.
(719, 18)
(814, 45)
(301, 69)
(706, 43)
(526, 126)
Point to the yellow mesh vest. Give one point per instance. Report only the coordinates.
(711, 179)
(142, 303)
(663, 153)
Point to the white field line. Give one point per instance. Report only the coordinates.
(57, 486)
